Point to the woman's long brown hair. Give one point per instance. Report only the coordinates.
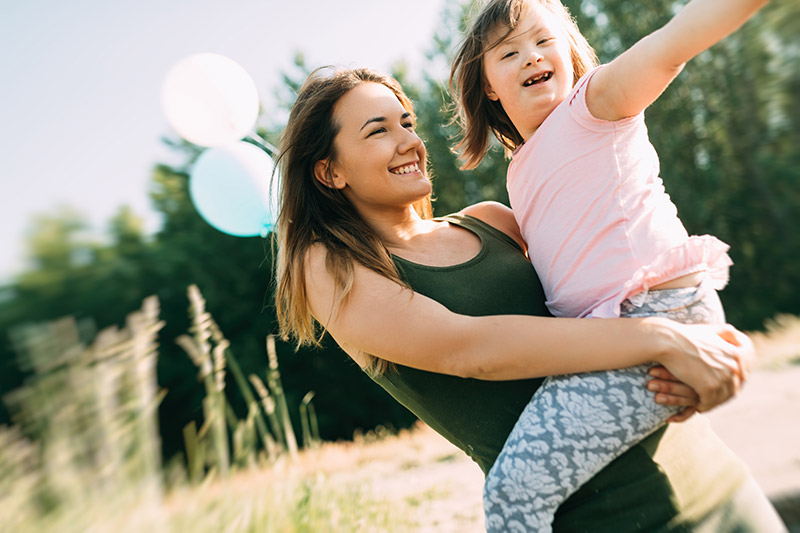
(311, 212)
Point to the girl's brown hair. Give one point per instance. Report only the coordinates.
(474, 112)
(311, 212)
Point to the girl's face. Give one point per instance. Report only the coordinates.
(379, 159)
(530, 72)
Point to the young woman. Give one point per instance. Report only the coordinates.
(427, 305)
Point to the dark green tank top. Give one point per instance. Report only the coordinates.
(664, 483)
(475, 415)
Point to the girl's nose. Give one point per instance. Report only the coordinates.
(533, 57)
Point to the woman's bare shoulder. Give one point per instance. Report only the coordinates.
(498, 216)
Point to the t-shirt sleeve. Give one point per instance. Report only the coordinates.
(579, 111)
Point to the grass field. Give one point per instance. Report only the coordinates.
(94, 464)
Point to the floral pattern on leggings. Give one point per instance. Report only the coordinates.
(577, 424)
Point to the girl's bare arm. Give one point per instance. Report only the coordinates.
(634, 80)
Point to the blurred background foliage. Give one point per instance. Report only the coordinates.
(727, 131)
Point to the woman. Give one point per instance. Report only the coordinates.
(356, 236)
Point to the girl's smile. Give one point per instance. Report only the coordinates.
(530, 70)
(539, 78)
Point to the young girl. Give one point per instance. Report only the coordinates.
(605, 238)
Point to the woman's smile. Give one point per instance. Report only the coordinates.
(379, 158)
(406, 168)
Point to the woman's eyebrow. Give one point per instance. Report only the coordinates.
(383, 119)
(373, 119)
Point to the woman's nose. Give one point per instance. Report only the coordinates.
(410, 141)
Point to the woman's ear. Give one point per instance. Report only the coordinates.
(490, 93)
(326, 175)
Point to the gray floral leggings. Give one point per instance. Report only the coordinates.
(577, 424)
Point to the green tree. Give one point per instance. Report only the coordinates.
(726, 130)
(723, 131)
(727, 133)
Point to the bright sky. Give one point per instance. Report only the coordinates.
(80, 119)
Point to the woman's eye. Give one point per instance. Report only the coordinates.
(408, 125)
(376, 131)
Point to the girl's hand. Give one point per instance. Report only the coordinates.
(714, 360)
(670, 391)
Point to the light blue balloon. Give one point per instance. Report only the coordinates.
(230, 187)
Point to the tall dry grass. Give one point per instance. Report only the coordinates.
(779, 343)
(84, 452)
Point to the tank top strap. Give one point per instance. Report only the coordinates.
(486, 232)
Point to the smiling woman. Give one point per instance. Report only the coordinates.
(356, 239)
(377, 152)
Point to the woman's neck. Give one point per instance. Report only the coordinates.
(428, 242)
(399, 230)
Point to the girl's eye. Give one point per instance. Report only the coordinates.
(546, 39)
(507, 55)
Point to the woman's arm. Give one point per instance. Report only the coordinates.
(382, 318)
(634, 80)
(667, 388)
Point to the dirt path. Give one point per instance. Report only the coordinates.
(438, 488)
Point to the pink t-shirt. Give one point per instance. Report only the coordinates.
(599, 226)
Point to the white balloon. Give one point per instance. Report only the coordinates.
(210, 99)
(230, 188)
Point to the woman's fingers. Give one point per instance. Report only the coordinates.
(713, 360)
(727, 360)
(748, 353)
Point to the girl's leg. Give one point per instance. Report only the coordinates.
(575, 425)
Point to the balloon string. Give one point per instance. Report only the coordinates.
(261, 143)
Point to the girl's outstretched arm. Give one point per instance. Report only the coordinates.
(634, 80)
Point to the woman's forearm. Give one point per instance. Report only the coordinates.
(494, 349)
(388, 321)
(711, 359)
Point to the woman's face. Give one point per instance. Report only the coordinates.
(379, 159)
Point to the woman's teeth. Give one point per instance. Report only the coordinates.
(406, 169)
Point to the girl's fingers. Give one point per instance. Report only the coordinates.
(673, 393)
(683, 415)
(660, 372)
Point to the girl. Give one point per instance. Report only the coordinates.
(605, 238)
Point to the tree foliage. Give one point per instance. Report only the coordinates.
(727, 131)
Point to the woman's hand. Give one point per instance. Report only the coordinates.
(713, 360)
